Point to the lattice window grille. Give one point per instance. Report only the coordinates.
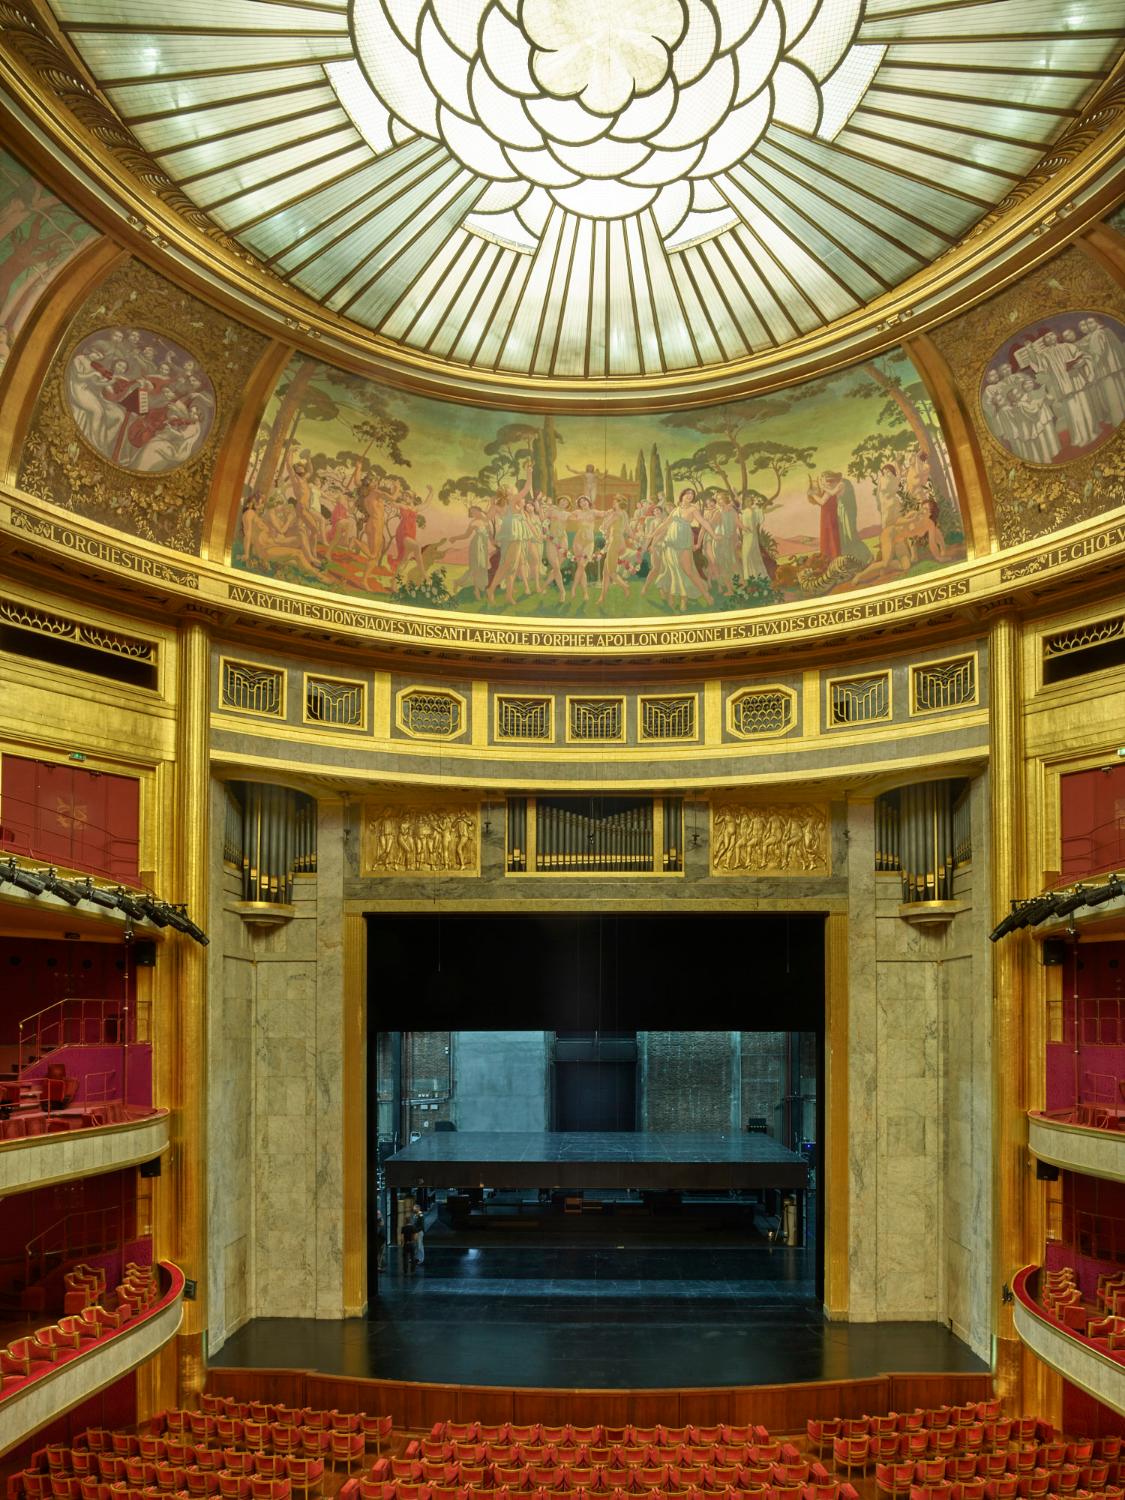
(253, 690)
(668, 718)
(762, 711)
(435, 715)
(523, 718)
(340, 704)
(939, 685)
(596, 718)
(26, 618)
(860, 700)
(1082, 637)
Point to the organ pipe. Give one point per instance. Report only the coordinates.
(277, 840)
(922, 831)
(598, 835)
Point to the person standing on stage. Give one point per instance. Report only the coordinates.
(419, 1237)
(408, 1237)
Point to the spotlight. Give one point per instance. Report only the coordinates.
(1040, 909)
(1071, 902)
(22, 879)
(124, 902)
(1098, 895)
(155, 911)
(190, 928)
(1014, 919)
(95, 894)
(61, 888)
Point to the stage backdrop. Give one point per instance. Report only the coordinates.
(831, 485)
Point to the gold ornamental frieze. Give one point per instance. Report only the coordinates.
(421, 838)
(769, 838)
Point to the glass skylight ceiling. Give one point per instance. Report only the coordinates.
(597, 187)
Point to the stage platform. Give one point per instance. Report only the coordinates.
(572, 1160)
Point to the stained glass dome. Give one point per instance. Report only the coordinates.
(597, 188)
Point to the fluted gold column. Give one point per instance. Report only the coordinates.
(1010, 1158)
(836, 1190)
(187, 1211)
(355, 1115)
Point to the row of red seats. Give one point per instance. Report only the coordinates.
(369, 1489)
(43, 1347)
(571, 1436)
(998, 1490)
(304, 1475)
(255, 1424)
(897, 1479)
(595, 1476)
(627, 1454)
(821, 1431)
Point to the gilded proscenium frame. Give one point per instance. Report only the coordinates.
(105, 187)
(532, 853)
(352, 682)
(943, 661)
(834, 1150)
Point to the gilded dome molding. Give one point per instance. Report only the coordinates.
(1082, 559)
(96, 159)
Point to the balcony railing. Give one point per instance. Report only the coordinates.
(64, 1155)
(1064, 1139)
(71, 1023)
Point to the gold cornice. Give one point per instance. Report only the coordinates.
(155, 217)
(1090, 554)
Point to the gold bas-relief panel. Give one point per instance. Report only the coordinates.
(135, 407)
(421, 838)
(1042, 369)
(760, 838)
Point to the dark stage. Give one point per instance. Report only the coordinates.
(644, 1161)
(582, 1317)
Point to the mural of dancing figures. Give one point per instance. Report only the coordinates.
(831, 485)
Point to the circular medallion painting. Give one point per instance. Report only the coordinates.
(138, 399)
(1056, 390)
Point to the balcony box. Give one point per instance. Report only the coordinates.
(52, 1390)
(1075, 1358)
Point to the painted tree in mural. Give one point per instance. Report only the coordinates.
(734, 424)
(655, 475)
(642, 476)
(510, 452)
(314, 393)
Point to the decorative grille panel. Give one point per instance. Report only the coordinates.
(431, 715)
(766, 710)
(668, 718)
(342, 705)
(943, 684)
(596, 718)
(24, 617)
(1097, 633)
(253, 690)
(859, 700)
(523, 718)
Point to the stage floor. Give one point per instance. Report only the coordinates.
(583, 1319)
(646, 1161)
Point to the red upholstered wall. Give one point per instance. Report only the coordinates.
(27, 1215)
(1092, 816)
(65, 815)
(1085, 1417)
(1094, 991)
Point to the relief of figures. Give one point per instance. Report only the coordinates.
(1056, 390)
(139, 399)
(38, 235)
(423, 839)
(830, 485)
(782, 839)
